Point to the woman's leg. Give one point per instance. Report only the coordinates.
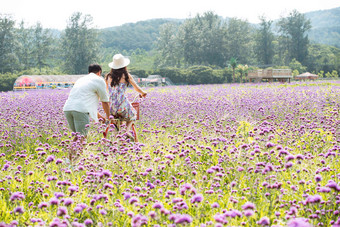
(128, 126)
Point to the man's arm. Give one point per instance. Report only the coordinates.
(106, 107)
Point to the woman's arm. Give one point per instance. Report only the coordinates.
(135, 86)
(108, 82)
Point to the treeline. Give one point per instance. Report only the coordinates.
(203, 49)
(209, 40)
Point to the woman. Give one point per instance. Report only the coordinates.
(117, 80)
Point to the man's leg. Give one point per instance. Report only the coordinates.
(70, 120)
(80, 122)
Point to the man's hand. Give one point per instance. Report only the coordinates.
(106, 107)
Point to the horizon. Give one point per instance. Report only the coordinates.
(55, 15)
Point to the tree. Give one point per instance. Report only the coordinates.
(79, 44)
(239, 40)
(8, 57)
(41, 46)
(202, 40)
(264, 47)
(24, 46)
(233, 65)
(296, 65)
(168, 46)
(294, 30)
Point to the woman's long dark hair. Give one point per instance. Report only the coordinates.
(116, 75)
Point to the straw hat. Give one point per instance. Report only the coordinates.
(119, 61)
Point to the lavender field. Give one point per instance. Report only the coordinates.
(210, 155)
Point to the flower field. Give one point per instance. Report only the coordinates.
(209, 155)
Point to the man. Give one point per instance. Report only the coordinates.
(82, 103)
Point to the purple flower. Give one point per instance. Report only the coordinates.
(269, 145)
(62, 211)
(73, 189)
(107, 185)
(77, 224)
(197, 198)
(88, 222)
(289, 157)
(42, 205)
(318, 178)
(133, 200)
(248, 213)
(59, 194)
(127, 195)
(50, 158)
(181, 219)
(313, 199)
(103, 212)
(152, 214)
(332, 184)
(58, 161)
(248, 205)
(288, 165)
(157, 205)
(19, 210)
(68, 201)
(220, 218)
(78, 209)
(54, 201)
(264, 221)
(298, 222)
(215, 205)
(139, 220)
(17, 196)
(325, 190)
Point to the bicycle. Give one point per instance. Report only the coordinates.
(118, 120)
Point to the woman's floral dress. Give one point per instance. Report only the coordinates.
(120, 107)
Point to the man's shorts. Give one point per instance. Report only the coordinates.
(78, 121)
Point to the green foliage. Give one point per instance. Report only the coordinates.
(326, 26)
(297, 66)
(7, 80)
(176, 75)
(197, 74)
(264, 38)
(323, 57)
(8, 59)
(334, 74)
(205, 40)
(132, 36)
(293, 30)
(79, 44)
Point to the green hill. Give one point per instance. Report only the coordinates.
(325, 26)
(131, 36)
(143, 34)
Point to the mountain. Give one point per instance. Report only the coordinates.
(325, 26)
(131, 36)
(144, 34)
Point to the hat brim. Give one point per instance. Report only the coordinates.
(125, 63)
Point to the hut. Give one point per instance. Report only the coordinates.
(29, 82)
(270, 75)
(306, 76)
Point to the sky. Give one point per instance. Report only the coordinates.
(105, 13)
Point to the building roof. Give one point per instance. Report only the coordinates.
(26, 79)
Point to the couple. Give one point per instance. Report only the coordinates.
(83, 100)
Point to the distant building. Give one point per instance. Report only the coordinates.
(153, 80)
(306, 76)
(28, 82)
(270, 75)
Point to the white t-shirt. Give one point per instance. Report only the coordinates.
(85, 94)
